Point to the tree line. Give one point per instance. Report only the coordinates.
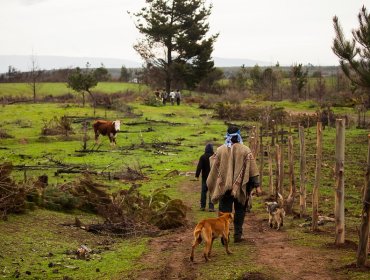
(177, 53)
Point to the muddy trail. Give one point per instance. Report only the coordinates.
(168, 255)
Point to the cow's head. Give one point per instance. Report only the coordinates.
(117, 125)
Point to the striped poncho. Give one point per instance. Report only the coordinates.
(231, 168)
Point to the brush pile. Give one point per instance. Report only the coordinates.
(57, 126)
(12, 195)
(127, 212)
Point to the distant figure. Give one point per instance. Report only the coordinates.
(164, 96)
(172, 97)
(178, 97)
(203, 166)
(157, 94)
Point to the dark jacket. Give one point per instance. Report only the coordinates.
(203, 164)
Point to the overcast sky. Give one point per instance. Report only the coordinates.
(287, 31)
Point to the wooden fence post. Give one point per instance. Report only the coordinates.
(315, 191)
(282, 135)
(362, 250)
(281, 173)
(261, 157)
(302, 177)
(25, 175)
(339, 176)
(85, 136)
(252, 140)
(276, 133)
(271, 182)
(256, 142)
(278, 170)
(273, 133)
(291, 197)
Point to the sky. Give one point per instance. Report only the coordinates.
(284, 31)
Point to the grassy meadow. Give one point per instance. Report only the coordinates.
(157, 141)
(57, 89)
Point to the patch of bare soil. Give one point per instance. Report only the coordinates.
(290, 261)
(168, 258)
(168, 255)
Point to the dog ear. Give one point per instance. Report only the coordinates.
(280, 200)
(220, 213)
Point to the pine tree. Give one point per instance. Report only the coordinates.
(175, 39)
(354, 54)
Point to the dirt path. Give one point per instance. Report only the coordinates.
(274, 250)
(168, 257)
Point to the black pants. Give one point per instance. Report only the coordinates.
(203, 196)
(226, 205)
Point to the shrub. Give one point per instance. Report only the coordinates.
(228, 111)
(55, 199)
(12, 195)
(4, 134)
(152, 100)
(57, 126)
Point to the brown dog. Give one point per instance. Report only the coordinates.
(209, 230)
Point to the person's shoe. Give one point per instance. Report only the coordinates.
(239, 239)
(202, 209)
(211, 210)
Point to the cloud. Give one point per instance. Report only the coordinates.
(30, 2)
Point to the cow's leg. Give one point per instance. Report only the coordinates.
(96, 136)
(112, 139)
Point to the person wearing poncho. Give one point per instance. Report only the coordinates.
(233, 174)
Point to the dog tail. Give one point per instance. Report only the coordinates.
(198, 231)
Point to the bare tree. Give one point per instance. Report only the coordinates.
(320, 86)
(34, 77)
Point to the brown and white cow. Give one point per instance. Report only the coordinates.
(106, 128)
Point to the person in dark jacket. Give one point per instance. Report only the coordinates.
(203, 167)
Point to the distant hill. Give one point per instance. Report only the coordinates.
(232, 62)
(23, 62)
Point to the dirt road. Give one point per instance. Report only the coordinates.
(168, 257)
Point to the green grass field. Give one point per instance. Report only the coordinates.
(30, 148)
(162, 139)
(56, 89)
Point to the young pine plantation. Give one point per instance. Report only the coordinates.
(72, 208)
